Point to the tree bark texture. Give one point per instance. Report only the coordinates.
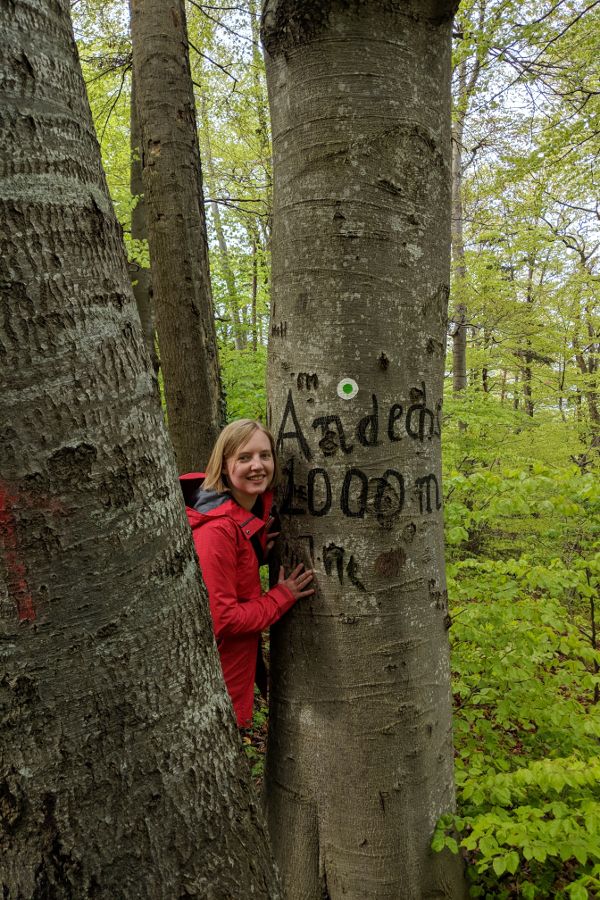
(360, 761)
(141, 277)
(120, 768)
(177, 229)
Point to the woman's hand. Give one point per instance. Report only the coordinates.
(297, 582)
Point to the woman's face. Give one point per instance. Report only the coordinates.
(250, 470)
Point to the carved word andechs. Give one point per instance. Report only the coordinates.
(419, 420)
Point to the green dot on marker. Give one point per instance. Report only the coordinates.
(347, 389)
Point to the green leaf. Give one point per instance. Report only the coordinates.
(512, 862)
(439, 841)
(577, 891)
(451, 844)
(499, 865)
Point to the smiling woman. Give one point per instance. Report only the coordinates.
(230, 511)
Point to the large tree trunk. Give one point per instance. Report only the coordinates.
(176, 228)
(360, 762)
(120, 766)
(141, 277)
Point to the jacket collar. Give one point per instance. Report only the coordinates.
(211, 504)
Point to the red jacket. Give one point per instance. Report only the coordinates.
(223, 533)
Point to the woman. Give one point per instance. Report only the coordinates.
(229, 510)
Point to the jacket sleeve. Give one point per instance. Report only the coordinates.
(217, 553)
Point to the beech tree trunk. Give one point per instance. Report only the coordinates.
(141, 277)
(360, 760)
(177, 228)
(121, 773)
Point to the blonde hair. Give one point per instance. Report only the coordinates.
(234, 436)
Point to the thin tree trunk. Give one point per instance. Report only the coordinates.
(485, 379)
(120, 767)
(254, 291)
(562, 371)
(360, 761)
(262, 114)
(177, 228)
(527, 353)
(527, 391)
(503, 387)
(233, 301)
(589, 367)
(467, 82)
(459, 334)
(141, 277)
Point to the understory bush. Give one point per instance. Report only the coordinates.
(526, 680)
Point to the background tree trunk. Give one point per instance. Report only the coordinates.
(262, 112)
(254, 290)
(141, 277)
(233, 300)
(360, 762)
(459, 333)
(527, 353)
(120, 767)
(177, 228)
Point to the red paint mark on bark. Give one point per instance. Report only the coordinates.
(15, 568)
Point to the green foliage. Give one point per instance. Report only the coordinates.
(244, 375)
(523, 529)
(527, 729)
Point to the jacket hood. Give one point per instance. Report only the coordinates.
(201, 505)
(197, 498)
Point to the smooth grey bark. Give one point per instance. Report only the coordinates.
(141, 277)
(360, 761)
(177, 229)
(121, 773)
